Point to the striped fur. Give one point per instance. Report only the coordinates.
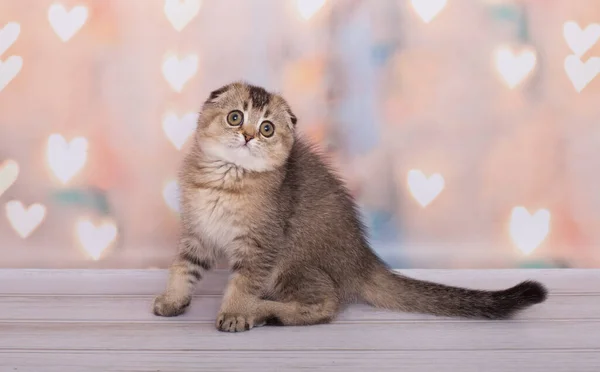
(290, 230)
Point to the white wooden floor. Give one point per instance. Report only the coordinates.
(85, 320)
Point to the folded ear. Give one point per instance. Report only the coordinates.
(293, 118)
(215, 94)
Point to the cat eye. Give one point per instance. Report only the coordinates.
(267, 129)
(235, 118)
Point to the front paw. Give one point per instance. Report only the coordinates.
(165, 305)
(232, 322)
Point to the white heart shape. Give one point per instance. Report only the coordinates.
(428, 9)
(8, 35)
(581, 74)
(308, 8)
(424, 189)
(514, 68)
(171, 194)
(9, 69)
(24, 221)
(179, 130)
(9, 171)
(178, 72)
(95, 239)
(580, 41)
(181, 12)
(528, 231)
(66, 159)
(66, 24)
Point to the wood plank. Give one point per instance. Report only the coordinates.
(107, 282)
(458, 335)
(151, 282)
(100, 320)
(332, 361)
(205, 308)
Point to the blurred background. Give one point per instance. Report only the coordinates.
(468, 130)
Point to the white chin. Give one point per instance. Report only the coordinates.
(240, 156)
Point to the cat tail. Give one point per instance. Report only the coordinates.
(389, 290)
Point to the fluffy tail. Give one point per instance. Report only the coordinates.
(388, 290)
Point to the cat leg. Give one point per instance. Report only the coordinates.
(303, 297)
(241, 309)
(308, 302)
(193, 260)
(296, 313)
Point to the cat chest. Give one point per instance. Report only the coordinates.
(219, 217)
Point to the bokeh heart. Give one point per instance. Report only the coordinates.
(24, 220)
(428, 9)
(425, 189)
(529, 231)
(580, 73)
(95, 239)
(171, 195)
(66, 23)
(9, 171)
(181, 12)
(66, 158)
(8, 35)
(178, 130)
(308, 8)
(580, 41)
(9, 70)
(514, 67)
(178, 72)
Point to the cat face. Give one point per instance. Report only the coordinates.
(247, 126)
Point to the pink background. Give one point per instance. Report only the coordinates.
(380, 89)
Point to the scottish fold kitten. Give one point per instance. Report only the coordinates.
(256, 193)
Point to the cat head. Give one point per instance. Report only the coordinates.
(248, 126)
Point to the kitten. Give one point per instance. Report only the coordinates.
(255, 192)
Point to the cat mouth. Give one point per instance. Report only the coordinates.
(243, 147)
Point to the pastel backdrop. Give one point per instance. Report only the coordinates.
(468, 130)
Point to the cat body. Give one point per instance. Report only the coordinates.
(253, 191)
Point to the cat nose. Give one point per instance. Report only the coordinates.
(247, 136)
